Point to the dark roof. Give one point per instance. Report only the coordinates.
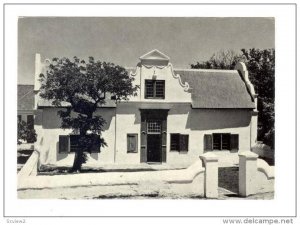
(25, 97)
(216, 88)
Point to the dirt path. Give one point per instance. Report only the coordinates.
(121, 191)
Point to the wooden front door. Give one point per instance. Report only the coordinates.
(153, 148)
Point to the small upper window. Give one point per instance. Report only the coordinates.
(155, 89)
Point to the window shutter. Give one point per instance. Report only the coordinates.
(164, 140)
(207, 142)
(174, 142)
(132, 142)
(234, 141)
(96, 144)
(183, 142)
(63, 144)
(143, 139)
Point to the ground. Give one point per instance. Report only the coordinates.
(120, 192)
(228, 189)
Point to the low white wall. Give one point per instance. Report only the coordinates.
(199, 179)
(30, 169)
(184, 176)
(265, 177)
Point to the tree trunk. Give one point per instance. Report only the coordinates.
(78, 160)
(80, 155)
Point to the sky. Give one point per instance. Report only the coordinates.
(122, 41)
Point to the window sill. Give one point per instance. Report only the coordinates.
(154, 98)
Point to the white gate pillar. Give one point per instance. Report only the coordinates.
(211, 180)
(247, 173)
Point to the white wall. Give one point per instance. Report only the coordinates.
(128, 121)
(47, 125)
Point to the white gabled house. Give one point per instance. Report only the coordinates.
(177, 115)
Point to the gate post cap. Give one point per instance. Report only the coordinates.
(209, 157)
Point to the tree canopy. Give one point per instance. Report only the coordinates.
(261, 67)
(83, 86)
(25, 132)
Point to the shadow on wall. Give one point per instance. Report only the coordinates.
(129, 109)
(210, 119)
(38, 119)
(60, 156)
(95, 156)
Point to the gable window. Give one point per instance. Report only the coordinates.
(179, 142)
(221, 141)
(155, 89)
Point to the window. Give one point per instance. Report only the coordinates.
(221, 141)
(179, 142)
(70, 143)
(19, 118)
(132, 142)
(155, 89)
(153, 127)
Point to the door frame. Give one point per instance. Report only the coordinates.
(153, 114)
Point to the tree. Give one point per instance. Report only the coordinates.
(83, 86)
(261, 67)
(25, 133)
(225, 59)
